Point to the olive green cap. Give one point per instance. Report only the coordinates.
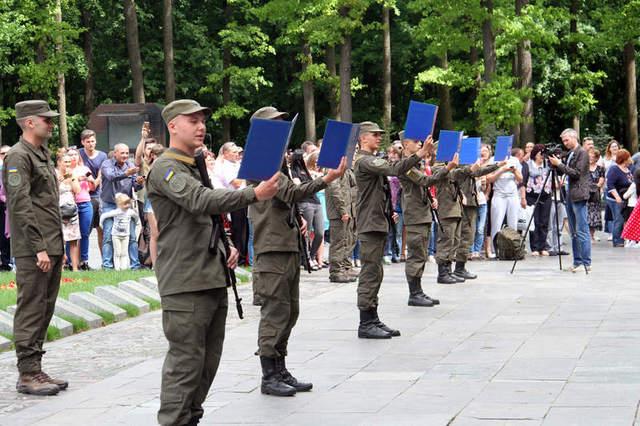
(183, 107)
(35, 107)
(370, 127)
(269, 113)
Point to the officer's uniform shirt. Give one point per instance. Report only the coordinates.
(183, 207)
(272, 230)
(416, 208)
(370, 173)
(32, 200)
(340, 196)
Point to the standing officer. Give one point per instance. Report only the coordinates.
(276, 271)
(36, 242)
(191, 279)
(374, 214)
(466, 178)
(341, 196)
(416, 206)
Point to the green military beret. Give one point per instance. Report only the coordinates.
(269, 113)
(183, 107)
(36, 107)
(370, 127)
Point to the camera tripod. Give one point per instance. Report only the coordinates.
(553, 174)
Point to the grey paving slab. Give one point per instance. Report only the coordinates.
(6, 322)
(64, 307)
(590, 416)
(118, 297)
(139, 290)
(539, 346)
(96, 304)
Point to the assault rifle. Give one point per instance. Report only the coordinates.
(217, 233)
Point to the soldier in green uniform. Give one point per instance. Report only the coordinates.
(191, 278)
(416, 206)
(450, 202)
(374, 214)
(36, 242)
(276, 271)
(341, 196)
(466, 178)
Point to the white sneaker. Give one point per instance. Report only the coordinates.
(589, 269)
(432, 259)
(386, 260)
(574, 268)
(357, 263)
(610, 238)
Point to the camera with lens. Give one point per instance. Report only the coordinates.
(556, 150)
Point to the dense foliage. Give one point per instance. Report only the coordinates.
(469, 56)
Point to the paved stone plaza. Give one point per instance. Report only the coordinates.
(538, 347)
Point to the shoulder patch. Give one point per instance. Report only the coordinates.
(413, 173)
(177, 183)
(14, 178)
(168, 175)
(378, 162)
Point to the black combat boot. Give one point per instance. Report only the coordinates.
(444, 275)
(454, 276)
(368, 328)
(288, 378)
(383, 326)
(435, 301)
(416, 296)
(461, 272)
(272, 381)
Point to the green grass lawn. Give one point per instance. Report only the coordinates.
(71, 282)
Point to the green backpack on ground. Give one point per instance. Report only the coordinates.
(508, 243)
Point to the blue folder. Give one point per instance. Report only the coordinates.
(421, 119)
(503, 148)
(448, 145)
(264, 151)
(339, 140)
(470, 150)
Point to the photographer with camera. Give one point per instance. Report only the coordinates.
(577, 187)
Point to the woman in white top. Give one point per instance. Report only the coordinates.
(482, 189)
(505, 201)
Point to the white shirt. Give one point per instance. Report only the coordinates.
(228, 172)
(506, 185)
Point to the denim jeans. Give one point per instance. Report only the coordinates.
(433, 239)
(85, 212)
(481, 221)
(580, 236)
(107, 242)
(618, 220)
(250, 243)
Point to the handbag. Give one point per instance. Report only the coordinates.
(68, 211)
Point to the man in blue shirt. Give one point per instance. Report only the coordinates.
(118, 175)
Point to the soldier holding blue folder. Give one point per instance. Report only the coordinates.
(276, 271)
(416, 205)
(374, 217)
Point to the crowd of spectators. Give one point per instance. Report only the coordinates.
(106, 192)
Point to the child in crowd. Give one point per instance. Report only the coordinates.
(121, 230)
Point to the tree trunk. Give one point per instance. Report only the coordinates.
(474, 58)
(515, 70)
(525, 75)
(309, 97)
(167, 44)
(87, 43)
(334, 94)
(226, 80)
(386, 69)
(62, 97)
(444, 94)
(488, 43)
(133, 47)
(574, 9)
(631, 96)
(345, 80)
